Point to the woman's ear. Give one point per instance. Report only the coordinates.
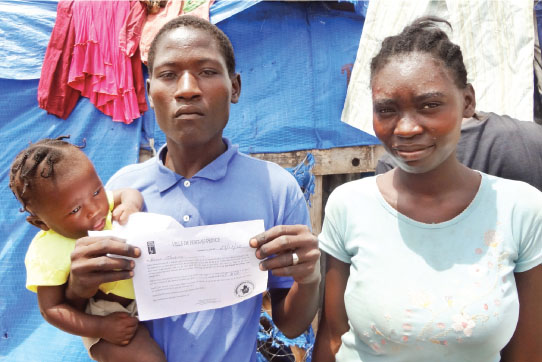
(470, 101)
(37, 222)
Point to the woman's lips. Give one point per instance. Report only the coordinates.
(413, 153)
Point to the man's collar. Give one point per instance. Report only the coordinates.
(215, 170)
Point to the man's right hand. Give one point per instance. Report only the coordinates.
(90, 265)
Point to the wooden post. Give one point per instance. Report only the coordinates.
(315, 210)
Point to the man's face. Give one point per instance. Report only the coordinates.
(190, 89)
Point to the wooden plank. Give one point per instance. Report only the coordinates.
(316, 205)
(332, 161)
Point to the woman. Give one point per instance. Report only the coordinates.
(423, 261)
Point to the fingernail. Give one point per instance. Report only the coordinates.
(132, 264)
(261, 266)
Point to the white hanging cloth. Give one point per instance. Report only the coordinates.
(496, 39)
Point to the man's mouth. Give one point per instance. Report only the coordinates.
(188, 112)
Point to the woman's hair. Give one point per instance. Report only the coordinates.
(423, 35)
(23, 172)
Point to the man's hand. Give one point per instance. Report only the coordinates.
(90, 265)
(119, 328)
(293, 251)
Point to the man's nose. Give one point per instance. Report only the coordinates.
(187, 86)
(407, 126)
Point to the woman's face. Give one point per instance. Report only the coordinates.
(418, 110)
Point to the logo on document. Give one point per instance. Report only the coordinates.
(244, 289)
(150, 247)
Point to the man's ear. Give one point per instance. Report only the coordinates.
(37, 222)
(149, 93)
(235, 87)
(470, 102)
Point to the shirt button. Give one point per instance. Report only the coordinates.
(186, 218)
(186, 183)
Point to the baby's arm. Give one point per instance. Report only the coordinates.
(117, 328)
(127, 201)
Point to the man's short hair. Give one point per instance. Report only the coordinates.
(190, 21)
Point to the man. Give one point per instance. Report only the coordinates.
(496, 145)
(199, 178)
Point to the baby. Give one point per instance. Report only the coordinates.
(58, 186)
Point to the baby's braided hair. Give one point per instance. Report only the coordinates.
(423, 35)
(23, 172)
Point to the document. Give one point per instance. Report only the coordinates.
(183, 270)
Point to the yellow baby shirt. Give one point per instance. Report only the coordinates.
(48, 261)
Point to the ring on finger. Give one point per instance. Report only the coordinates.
(295, 258)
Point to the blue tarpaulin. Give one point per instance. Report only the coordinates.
(25, 27)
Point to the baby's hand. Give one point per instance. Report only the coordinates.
(122, 212)
(127, 201)
(119, 328)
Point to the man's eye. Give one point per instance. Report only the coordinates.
(167, 75)
(76, 210)
(209, 72)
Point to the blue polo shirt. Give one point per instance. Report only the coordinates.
(234, 187)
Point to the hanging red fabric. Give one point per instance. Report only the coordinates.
(104, 62)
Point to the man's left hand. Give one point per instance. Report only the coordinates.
(289, 250)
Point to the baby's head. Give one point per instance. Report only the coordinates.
(57, 184)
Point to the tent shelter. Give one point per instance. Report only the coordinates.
(294, 59)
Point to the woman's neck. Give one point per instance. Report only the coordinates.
(450, 175)
(432, 197)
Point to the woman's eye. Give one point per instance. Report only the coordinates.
(384, 111)
(430, 105)
(74, 211)
(97, 192)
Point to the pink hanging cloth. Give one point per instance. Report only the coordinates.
(54, 94)
(93, 51)
(173, 8)
(106, 66)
